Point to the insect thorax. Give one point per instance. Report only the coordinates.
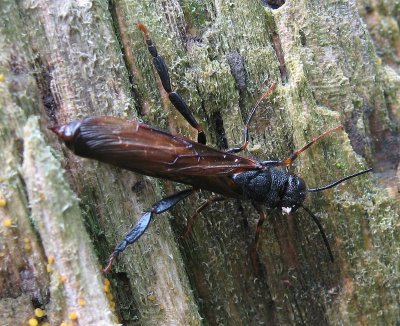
(271, 187)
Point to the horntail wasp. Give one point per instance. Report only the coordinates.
(147, 150)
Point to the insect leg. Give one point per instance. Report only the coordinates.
(253, 250)
(194, 217)
(249, 117)
(173, 96)
(295, 154)
(136, 232)
(261, 220)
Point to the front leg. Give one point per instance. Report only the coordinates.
(253, 250)
(261, 220)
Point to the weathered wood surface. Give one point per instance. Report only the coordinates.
(336, 62)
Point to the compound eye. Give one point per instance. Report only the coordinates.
(301, 185)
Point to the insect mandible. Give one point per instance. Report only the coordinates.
(137, 147)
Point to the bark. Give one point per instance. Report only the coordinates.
(336, 62)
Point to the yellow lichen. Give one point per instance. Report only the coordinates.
(73, 315)
(7, 223)
(3, 201)
(33, 322)
(27, 244)
(39, 312)
(152, 297)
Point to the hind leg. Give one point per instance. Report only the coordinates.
(173, 96)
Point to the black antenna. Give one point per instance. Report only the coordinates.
(337, 182)
(321, 231)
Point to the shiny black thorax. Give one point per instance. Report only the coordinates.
(272, 187)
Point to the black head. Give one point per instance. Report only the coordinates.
(294, 194)
(295, 191)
